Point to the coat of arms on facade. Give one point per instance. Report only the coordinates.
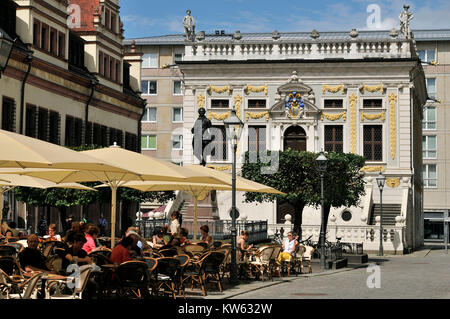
(294, 105)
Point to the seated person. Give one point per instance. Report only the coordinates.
(51, 233)
(15, 232)
(206, 237)
(183, 237)
(288, 247)
(5, 231)
(31, 258)
(167, 236)
(91, 236)
(242, 241)
(121, 252)
(75, 253)
(71, 232)
(158, 239)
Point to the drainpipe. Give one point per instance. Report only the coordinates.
(93, 83)
(144, 104)
(29, 60)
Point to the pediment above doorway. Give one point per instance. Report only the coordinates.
(294, 100)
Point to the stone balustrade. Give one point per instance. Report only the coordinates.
(350, 49)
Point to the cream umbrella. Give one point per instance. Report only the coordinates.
(10, 181)
(136, 167)
(199, 190)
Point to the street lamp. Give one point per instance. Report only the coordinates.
(381, 179)
(322, 163)
(6, 45)
(234, 126)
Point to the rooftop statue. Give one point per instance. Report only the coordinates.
(405, 19)
(189, 26)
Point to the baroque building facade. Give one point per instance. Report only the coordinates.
(362, 92)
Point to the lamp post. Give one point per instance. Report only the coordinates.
(6, 45)
(322, 162)
(234, 127)
(381, 179)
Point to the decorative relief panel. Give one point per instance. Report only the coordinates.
(219, 90)
(256, 115)
(201, 100)
(393, 182)
(372, 89)
(333, 117)
(373, 168)
(353, 99)
(250, 88)
(392, 128)
(333, 89)
(373, 117)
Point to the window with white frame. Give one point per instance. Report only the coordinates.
(431, 88)
(148, 142)
(427, 55)
(429, 146)
(177, 142)
(149, 87)
(429, 118)
(150, 60)
(150, 115)
(177, 88)
(177, 115)
(178, 57)
(429, 175)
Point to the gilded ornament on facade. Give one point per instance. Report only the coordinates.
(393, 133)
(333, 117)
(393, 182)
(333, 89)
(373, 89)
(219, 116)
(220, 168)
(372, 117)
(202, 195)
(201, 100)
(373, 169)
(250, 88)
(294, 105)
(353, 99)
(219, 90)
(237, 104)
(256, 115)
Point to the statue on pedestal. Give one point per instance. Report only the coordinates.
(405, 18)
(189, 26)
(202, 135)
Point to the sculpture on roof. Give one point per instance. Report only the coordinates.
(189, 26)
(405, 19)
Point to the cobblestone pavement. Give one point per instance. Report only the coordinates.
(423, 274)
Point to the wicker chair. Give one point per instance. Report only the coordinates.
(133, 279)
(273, 259)
(48, 248)
(184, 262)
(8, 251)
(10, 266)
(193, 250)
(168, 270)
(77, 291)
(307, 256)
(262, 263)
(170, 252)
(152, 263)
(27, 289)
(207, 271)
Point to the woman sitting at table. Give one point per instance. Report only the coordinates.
(121, 251)
(206, 237)
(183, 237)
(91, 236)
(242, 241)
(289, 245)
(75, 253)
(158, 240)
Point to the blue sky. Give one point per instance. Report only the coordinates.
(144, 18)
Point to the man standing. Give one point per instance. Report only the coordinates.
(5, 211)
(102, 225)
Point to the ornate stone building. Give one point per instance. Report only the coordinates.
(360, 92)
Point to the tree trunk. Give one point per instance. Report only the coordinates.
(63, 217)
(298, 218)
(48, 215)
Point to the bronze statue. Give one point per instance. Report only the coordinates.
(202, 135)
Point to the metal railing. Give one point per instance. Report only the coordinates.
(148, 226)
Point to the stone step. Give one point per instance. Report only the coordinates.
(356, 259)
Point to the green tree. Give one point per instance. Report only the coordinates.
(298, 177)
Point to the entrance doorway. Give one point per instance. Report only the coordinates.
(295, 139)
